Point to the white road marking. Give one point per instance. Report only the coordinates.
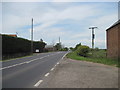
(38, 83)
(65, 55)
(57, 63)
(52, 69)
(29, 61)
(24, 62)
(47, 74)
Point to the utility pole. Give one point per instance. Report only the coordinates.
(59, 39)
(93, 36)
(32, 37)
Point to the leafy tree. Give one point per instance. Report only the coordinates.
(71, 48)
(77, 46)
(64, 49)
(58, 46)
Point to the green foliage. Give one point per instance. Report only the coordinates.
(82, 50)
(77, 46)
(13, 45)
(101, 53)
(64, 49)
(71, 48)
(107, 61)
(96, 49)
(58, 46)
(38, 45)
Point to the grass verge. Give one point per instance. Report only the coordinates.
(104, 60)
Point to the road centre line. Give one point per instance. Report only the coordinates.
(52, 69)
(25, 62)
(47, 74)
(38, 83)
(57, 63)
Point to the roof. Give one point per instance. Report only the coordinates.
(13, 35)
(118, 22)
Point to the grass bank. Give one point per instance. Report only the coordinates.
(97, 57)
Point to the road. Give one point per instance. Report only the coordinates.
(71, 73)
(28, 71)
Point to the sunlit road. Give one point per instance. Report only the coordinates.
(26, 72)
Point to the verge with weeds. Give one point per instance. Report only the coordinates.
(97, 58)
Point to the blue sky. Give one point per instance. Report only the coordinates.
(69, 20)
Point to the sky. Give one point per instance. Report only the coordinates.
(68, 20)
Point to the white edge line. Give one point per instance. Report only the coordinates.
(22, 63)
(38, 83)
(65, 55)
(47, 74)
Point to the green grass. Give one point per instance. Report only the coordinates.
(99, 58)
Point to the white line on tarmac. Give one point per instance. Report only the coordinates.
(57, 63)
(52, 69)
(47, 74)
(38, 83)
(65, 55)
(25, 62)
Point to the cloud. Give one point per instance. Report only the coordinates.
(73, 20)
(60, 0)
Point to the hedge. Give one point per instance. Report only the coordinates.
(13, 45)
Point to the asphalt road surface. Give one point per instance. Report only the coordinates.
(28, 71)
(81, 74)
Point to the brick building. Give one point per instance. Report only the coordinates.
(113, 41)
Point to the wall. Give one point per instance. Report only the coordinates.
(112, 42)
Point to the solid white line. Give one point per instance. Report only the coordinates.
(22, 63)
(25, 62)
(65, 55)
(47, 74)
(38, 83)
(52, 69)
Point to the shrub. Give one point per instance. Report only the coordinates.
(83, 50)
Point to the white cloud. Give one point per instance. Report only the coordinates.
(18, 15)
(59, 0)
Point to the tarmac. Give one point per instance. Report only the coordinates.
(81, 74)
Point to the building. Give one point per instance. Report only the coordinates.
(113, 41)
(13, 35)
(50, 47)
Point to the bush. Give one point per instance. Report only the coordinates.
(76, 47)
(83, 50)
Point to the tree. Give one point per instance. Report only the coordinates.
(71, 48)
(41, 40)
(77, 46)
(58, 46)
